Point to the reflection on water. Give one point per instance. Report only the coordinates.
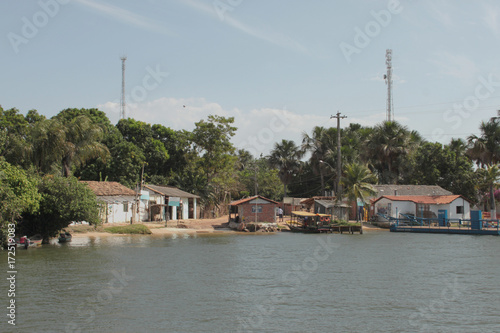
(376, 282)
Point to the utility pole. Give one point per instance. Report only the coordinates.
(339, 156)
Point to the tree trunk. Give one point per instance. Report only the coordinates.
(322, 177)
(493, 209)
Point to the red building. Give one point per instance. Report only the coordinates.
(256, 208)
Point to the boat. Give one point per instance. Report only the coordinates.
(23, 242)
(307, 222)
(36, 240)
(65, 237)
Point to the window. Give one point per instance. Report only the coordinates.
(460, 209)
(125, 206)
(257, 209)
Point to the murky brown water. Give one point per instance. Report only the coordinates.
(376, 282)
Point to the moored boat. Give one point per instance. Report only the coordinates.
(306, 222)
(65, 237)
(23, 242)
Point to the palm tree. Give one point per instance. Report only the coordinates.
(358, 180)
(485, 149)
(83, 142)
(43, 144)
(489, 178)
(387, 144)
(286, 158)
(321, 144)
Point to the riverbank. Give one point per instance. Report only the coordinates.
(179, 228)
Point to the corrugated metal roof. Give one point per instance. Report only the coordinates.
(424, 199)
(325, 203)
(108, 188)
(170, 191)
(239, 202)
(410, 190)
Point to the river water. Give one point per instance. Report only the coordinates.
(376, 282)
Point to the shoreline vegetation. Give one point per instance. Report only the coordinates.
(190, 227)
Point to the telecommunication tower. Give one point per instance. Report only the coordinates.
(122, 101)
(388, 81)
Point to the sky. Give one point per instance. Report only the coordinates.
(278, 67)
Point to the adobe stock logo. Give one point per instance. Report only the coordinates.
(30, 28)
(372, 29)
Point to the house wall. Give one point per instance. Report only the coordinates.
(388, 207)
(268, 213)
(410, 207)
(116, 214)
(452, 209)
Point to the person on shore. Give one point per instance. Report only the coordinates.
(280, 214)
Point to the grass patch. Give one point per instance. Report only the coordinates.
(129, 229)
(342, 223)
(83, 228)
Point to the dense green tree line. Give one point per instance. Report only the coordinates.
(83, 144)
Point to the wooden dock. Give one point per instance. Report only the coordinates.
(351, 229)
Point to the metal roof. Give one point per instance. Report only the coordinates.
(424, 199)
(239, 202)
(170, 191)
(410, 190)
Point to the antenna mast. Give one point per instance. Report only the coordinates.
(122, 102)
(388, 81)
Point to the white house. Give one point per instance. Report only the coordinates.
(167, 203)
(118, 201)
(426, 206)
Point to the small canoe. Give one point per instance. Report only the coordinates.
(65, 237)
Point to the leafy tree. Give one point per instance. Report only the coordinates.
(33, 117)
(18, 194)
(212, 142)
(358, 181)
(257, 174)
(141, 135)
(446, 166)
(286, 158)
(64, 200)
(96, 116)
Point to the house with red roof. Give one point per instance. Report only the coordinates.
(426, 206)
(118, 202)
(256, 208)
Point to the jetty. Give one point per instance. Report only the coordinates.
(306, 222)
(476, 225)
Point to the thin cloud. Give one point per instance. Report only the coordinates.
(457, 66)
(125, 16)
(490, 18)
(272, 37)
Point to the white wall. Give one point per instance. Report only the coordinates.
(399, 206)
(410, 207)
(116, 213)
(452, 209)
